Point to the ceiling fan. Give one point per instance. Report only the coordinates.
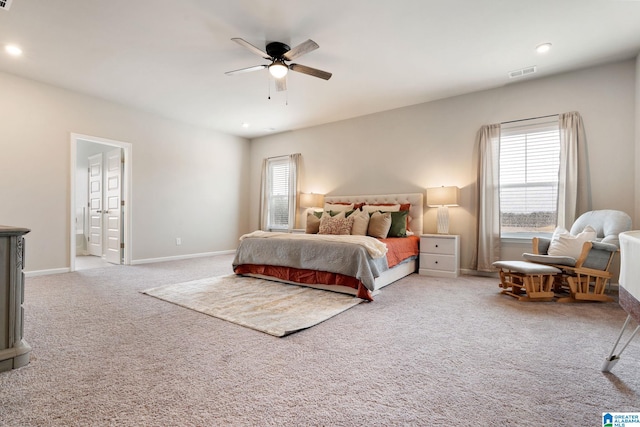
(278, 53)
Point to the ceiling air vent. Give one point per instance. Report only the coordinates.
(5, 4)
(522, 72)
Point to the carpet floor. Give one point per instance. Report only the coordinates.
(427, 352)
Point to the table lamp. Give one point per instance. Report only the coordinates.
(442, 198)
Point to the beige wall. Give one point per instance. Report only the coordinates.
(203, 186)
(433, 144)
(188, 182)
(636, 216)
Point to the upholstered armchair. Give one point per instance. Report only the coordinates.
(585, 272)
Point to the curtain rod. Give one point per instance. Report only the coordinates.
(284, 155)
(532, 118)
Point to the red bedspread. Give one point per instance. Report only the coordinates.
(401, 248)
(398, 250)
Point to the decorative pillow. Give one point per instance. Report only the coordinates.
(338, 207)
(379, 224)
(313, 223)
(334, 215)
(335, 224)
(398, 224)
(346, 213)
(360, 223)
(565, 244)
(382, 207)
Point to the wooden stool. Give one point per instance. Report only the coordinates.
(523, 276)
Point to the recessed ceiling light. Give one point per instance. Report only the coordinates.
(543, 48)
(13, 50)
(245, 125)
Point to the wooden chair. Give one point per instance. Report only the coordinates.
(586, 277)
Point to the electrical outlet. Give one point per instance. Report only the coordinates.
(178, 241)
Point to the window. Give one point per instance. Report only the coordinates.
(278, 187)
(279, 192)
(529, 172)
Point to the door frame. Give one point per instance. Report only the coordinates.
(126, 194)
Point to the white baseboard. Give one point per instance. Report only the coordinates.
(471, 272)
(180, 257)
(35, 273)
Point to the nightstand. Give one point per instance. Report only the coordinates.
(439, 255)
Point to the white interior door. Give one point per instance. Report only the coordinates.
(95, 205)
(113, 208)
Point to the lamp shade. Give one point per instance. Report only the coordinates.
(443, 196)
(311, 200)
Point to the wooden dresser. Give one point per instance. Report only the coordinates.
(14, 351)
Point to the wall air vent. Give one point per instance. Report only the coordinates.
(522, 72)
(5, 4)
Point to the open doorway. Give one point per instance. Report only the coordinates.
(100, 202)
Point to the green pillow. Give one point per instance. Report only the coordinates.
(346, 213)
(398, 224)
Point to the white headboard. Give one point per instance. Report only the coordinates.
(415, 199)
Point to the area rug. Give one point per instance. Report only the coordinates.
(274, 308)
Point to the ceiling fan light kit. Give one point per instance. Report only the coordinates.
(278, 53)
(278, 69)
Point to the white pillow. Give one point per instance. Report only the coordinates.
(337, 208)
(381, 208)
(565, 244)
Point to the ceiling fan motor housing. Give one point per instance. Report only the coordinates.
(277, 49)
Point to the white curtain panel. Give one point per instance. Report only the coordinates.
(488, 244)
(573, 185)
(264, 197)
(294, 190)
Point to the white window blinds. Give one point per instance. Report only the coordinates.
(529, 167)
(278, 186)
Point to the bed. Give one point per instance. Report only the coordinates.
(348, 264)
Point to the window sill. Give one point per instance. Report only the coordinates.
(522, 237)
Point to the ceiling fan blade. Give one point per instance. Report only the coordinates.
(246, 70)
(251, 47)
(301, 49)
(281, 84)
(310, 71)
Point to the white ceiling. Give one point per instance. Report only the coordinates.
(169, 56)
